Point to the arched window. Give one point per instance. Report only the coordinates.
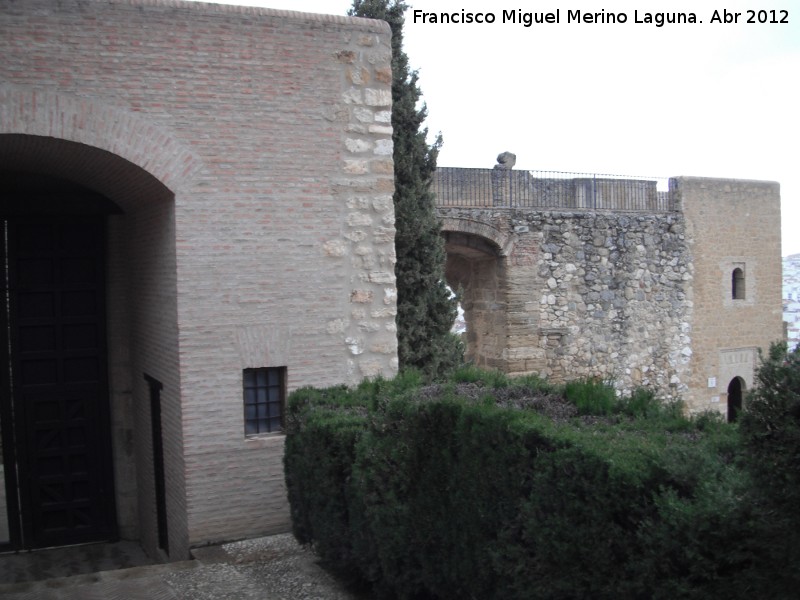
(737, 284)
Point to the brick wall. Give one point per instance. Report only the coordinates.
(272, 245)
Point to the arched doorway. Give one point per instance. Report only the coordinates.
(735, 393)
(474, 267)
(54, 403)
(108, 212)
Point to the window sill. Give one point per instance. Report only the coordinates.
(265, 440)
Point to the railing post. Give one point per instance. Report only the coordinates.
(510, 189)
(501, 171)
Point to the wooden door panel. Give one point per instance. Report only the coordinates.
(59, 391)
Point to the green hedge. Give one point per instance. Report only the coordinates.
(444, 492)
(770, 426)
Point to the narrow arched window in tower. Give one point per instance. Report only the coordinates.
(737, 284)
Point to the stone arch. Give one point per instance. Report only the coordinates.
(476, 254)
(503, 242)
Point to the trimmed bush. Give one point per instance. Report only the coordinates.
(322, 431)
(487, 487)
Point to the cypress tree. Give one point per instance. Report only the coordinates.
(425, 309)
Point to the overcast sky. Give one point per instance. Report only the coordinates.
(706, 99)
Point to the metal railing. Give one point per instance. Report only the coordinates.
(550, 190)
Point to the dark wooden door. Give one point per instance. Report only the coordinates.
(55, 334)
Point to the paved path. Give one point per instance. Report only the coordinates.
(270, 568)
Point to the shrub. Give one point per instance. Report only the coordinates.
(437, 492)
(697, 540)
(770, 429)
(641, 403)
(591, 396)
(472, 374)
(770, 424)
(575, 531)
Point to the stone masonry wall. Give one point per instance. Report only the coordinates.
(615, 299)
(641, 298)
(594, 294)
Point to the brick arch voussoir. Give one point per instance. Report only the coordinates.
(503, 241)
(92, 122)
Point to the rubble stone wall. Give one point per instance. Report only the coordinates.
(640, 298)
(588, 294)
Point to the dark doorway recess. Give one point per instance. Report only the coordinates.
(159, 472)
(54, 392)
(735, 390)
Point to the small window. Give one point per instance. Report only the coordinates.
(737, 284)
(264, 395)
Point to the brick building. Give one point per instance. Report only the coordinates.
(197, 210)
(197, 218)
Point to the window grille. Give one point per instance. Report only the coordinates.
(264, 397)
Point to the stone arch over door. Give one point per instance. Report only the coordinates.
(735, 394)
(476, 268)
(494, 260)
(141, 168)
(502, 243)
(737, 374)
